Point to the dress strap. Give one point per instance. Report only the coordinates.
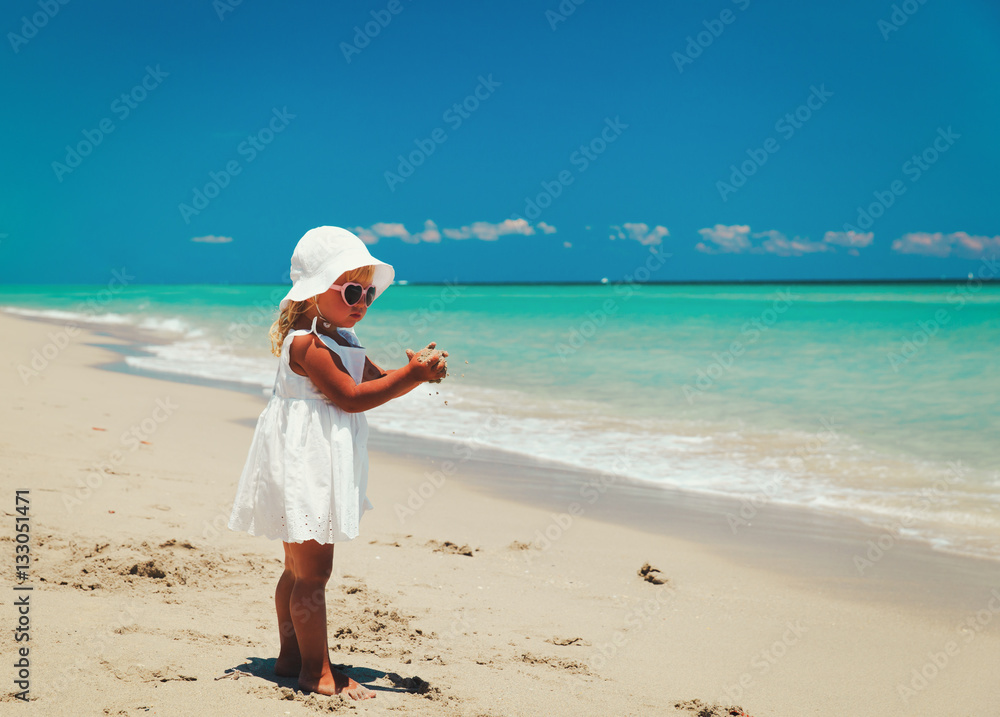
(297, 332)
(349, 336)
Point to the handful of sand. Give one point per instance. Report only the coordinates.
(424, 355)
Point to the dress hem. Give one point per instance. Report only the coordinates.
(284, 539)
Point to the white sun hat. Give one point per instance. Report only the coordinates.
(322, 255)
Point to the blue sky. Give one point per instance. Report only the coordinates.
(197, 141)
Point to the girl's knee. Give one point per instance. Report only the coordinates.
(310, 561)
(313, 574)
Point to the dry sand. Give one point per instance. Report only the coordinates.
(143, 602)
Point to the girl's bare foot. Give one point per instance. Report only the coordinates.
(334, 682)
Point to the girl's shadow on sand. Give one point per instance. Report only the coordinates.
(264, 668)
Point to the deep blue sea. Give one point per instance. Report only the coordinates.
(876, 401)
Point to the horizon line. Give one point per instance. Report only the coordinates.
(705, 282)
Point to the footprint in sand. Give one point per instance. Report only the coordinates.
(570, 665)
(518, 545)
(568, 641)
(410, 684)
(703, 709)
(450, 547)
(646, 572)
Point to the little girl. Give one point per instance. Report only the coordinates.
(306, 473)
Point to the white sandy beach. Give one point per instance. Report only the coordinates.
(143, 602)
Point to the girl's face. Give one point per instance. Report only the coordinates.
(335, 309)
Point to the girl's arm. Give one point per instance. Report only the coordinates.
(373, 371)
(404, 391)
(328, 373)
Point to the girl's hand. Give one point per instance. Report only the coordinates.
(429, 364)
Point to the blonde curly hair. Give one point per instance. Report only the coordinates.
(294, 309)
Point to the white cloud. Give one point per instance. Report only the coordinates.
(380, 230)
(639, 232)
(567, 244)
(368, 237)
(851, 239)
(383, 229)
(739, 239)
(942, 245)
(725, 240)
(430, 233)
(486, 231)
(210, 239)
(778, 243)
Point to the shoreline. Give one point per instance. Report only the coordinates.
(454, 595)
(790, 541)
(787, 538)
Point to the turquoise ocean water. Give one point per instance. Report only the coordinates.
(875, 401)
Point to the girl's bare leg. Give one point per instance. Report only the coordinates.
(312, 565)
(289, 661)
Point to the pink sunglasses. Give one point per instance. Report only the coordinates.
(353, 291)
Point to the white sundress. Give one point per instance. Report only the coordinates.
(306, 472)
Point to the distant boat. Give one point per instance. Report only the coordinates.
(401, 282)
(604, 280)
